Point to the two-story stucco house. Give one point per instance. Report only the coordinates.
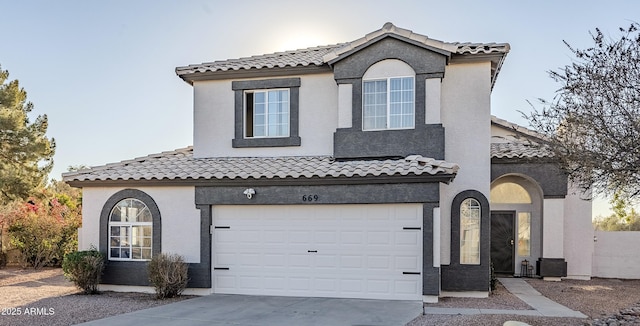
(368, 169)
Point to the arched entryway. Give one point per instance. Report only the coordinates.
(516, 223)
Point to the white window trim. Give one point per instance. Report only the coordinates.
(130, 225)
(266, 91)
(388, 80)
(477, 206)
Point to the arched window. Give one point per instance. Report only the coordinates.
(509, 193)
(130, 231)
(388, 96)
(470, 216)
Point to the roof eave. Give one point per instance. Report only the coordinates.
(383, 179)
(190, 78)
(496, 59)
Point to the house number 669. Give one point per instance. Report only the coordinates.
(310, 197)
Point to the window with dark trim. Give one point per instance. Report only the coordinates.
(130, 231)
(130, 226)
(266, 112)
(388, 103)
(470, 218)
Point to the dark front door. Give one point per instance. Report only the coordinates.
(502, 241)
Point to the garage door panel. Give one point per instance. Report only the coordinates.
(378, 238)
(407, 263)
(378, 286)
(349, 251)
(378, 262)
(326, 285)
(407, 287)
(275, 283)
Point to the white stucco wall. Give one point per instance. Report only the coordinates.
(465, 112)
(578, 235)
(180, 219)
(432, 103)
(501, 135)
(214, 119)
(616, 254)
(553, 210)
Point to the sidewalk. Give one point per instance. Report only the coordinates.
(542, 305)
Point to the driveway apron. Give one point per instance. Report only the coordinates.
(245, 310)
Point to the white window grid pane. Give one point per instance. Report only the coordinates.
(401, 104)
(271, 113)
(375, 105)
(388, 104)
(130, 227)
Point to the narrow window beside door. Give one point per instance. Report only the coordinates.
(470, 232)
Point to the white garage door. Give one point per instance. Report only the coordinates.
(342, 251)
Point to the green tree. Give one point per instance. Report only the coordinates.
(623, 217)
(593, 123)
(26, 154)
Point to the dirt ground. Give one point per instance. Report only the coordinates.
(596, 298)
(45, 297)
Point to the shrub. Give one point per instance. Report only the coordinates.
(168, 273)
(84, 269)
(42, 230)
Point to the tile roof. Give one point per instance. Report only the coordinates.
(517, 128)
(321, 55)
(300, 57)
(181, 165)
(519, 150)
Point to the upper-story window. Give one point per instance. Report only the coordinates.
(388, 103)
(267, 113)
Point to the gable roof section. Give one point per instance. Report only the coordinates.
(321, 57)
(390, 30)
(526, 144)
(517, 129)
(180, 165)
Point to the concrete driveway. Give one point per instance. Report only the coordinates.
(244, 310)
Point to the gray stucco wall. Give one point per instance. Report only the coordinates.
(548, 175)
(135, 272)
(128, 272)
(462, 277)
(424, 140)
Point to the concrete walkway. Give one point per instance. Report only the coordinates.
(542, 305)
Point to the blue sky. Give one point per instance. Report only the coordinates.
(103, 71)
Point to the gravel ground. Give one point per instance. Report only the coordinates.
(597, 298)
(44, 297)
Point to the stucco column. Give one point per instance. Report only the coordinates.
(345, 93)
(553, 228)
(432, 100)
